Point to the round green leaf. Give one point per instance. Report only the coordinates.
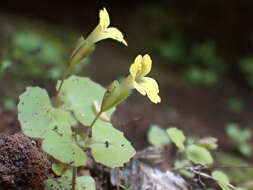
(109, 146)
(62, 183)
(157, 136)
(199, 155)
(65, 183)
(36, 114)
(177, 136)
(222, 179)
(78, 95)
(58, 169)
(39, 119)
(238, 134)
(85, 182)
(59, 144)
(245, 149)
(181, 164)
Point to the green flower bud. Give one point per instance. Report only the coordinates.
(80, 53)
(115, 94)
(207, 142)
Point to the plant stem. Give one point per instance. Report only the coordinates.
(74, 171)
(62, 81)
(90, 127)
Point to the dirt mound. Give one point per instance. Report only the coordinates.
(22, 164)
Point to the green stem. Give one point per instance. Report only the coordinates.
(74, 171)
(62, 81)
(90, 127)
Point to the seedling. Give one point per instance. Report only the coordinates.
(196, 152)
(195, 155)
(241, 138)
(79, 100)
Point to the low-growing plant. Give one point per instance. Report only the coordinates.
(78, 117)
(195, 155)
(241, 138)
(196, 152)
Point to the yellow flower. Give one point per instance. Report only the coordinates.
(102, 31)
(85, 47)
(145, 85)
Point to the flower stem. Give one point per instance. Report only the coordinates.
(92, 124)
(74, 171)
(62, 80)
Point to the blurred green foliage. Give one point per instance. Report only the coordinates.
(35, 51)
(201, 62)
(157, 136)
(174, 49)
(9, 103)
(236, 171)
(234, 104)
(246, 66)
(241, 137)
(4, 65)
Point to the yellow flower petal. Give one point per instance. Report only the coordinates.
(145, 85)
(111, 32)
(115, 34)
(104, 19)
(146, 65)
(102, 31)
(152, 95)
(150, 83)
(139, 88)
(136, 66)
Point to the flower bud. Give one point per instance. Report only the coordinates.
(207, 142)
(115, 94)
(79, 54)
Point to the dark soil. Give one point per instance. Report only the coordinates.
(22, 164)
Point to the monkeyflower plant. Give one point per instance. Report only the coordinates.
(77, 119)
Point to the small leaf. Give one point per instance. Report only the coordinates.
(39, 119)
(222, 179)
(238, 134)
(109, 146)
(245, 149)
(59, 144)
(57, 169)
(157, 136)
(177, 136)
(78, 95)
(36, 114)
(199, 155)
(85, 182)
(181, 164)
(64, 183)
